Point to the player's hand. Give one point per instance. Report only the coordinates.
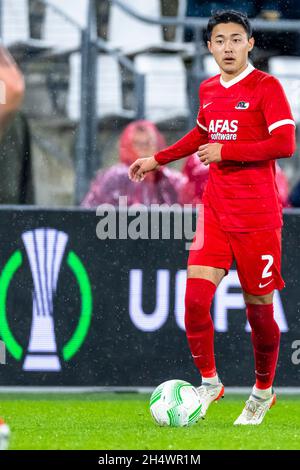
(140, 167)
(210, 153)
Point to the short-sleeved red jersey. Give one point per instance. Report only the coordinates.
(245, 109)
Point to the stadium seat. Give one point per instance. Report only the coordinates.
(58, 32)
(133, 36)
(284, 65)
(165, 86)
(14, 22)
(210, 65)
(109, 88)
(291, 86)
(287, 70)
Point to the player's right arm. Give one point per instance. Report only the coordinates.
(184, 147)
(187, 145)
(140, 167)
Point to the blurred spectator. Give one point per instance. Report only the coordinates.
(197, 176)
(279, 42)
(275, 9)
(269, 10)
(139, 139)
(282, 185)
(15, 161)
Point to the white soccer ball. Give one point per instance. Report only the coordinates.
(175, 403)
(4, 435)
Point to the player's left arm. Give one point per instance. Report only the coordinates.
(281, 144)
(281, 127)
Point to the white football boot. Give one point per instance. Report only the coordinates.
(255, 410)
(209, 393)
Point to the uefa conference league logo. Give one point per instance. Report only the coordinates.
(45, 249)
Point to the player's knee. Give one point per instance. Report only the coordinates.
(266, 332)
(214, 275)
(197, 300)
(196, 304)
(258, 299)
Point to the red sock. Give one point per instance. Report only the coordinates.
(265, 339)
(199, 325)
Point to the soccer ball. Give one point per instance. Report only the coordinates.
(4, 435)
(175, 403)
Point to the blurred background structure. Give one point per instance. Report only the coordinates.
(91, 67)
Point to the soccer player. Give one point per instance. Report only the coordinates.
(244, 124)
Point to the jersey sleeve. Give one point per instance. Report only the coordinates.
(184, 147)
(275, 105)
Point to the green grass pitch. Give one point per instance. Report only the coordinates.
(123, 421)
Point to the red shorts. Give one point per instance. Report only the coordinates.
(257, 254)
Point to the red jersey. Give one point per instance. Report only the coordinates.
(244, 110)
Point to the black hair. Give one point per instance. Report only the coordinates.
(228, 16)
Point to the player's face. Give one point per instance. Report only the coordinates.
(230, 47)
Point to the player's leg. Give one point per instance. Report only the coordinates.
(265, 337)
(207, 265)
(261, 279)
(202, 282)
